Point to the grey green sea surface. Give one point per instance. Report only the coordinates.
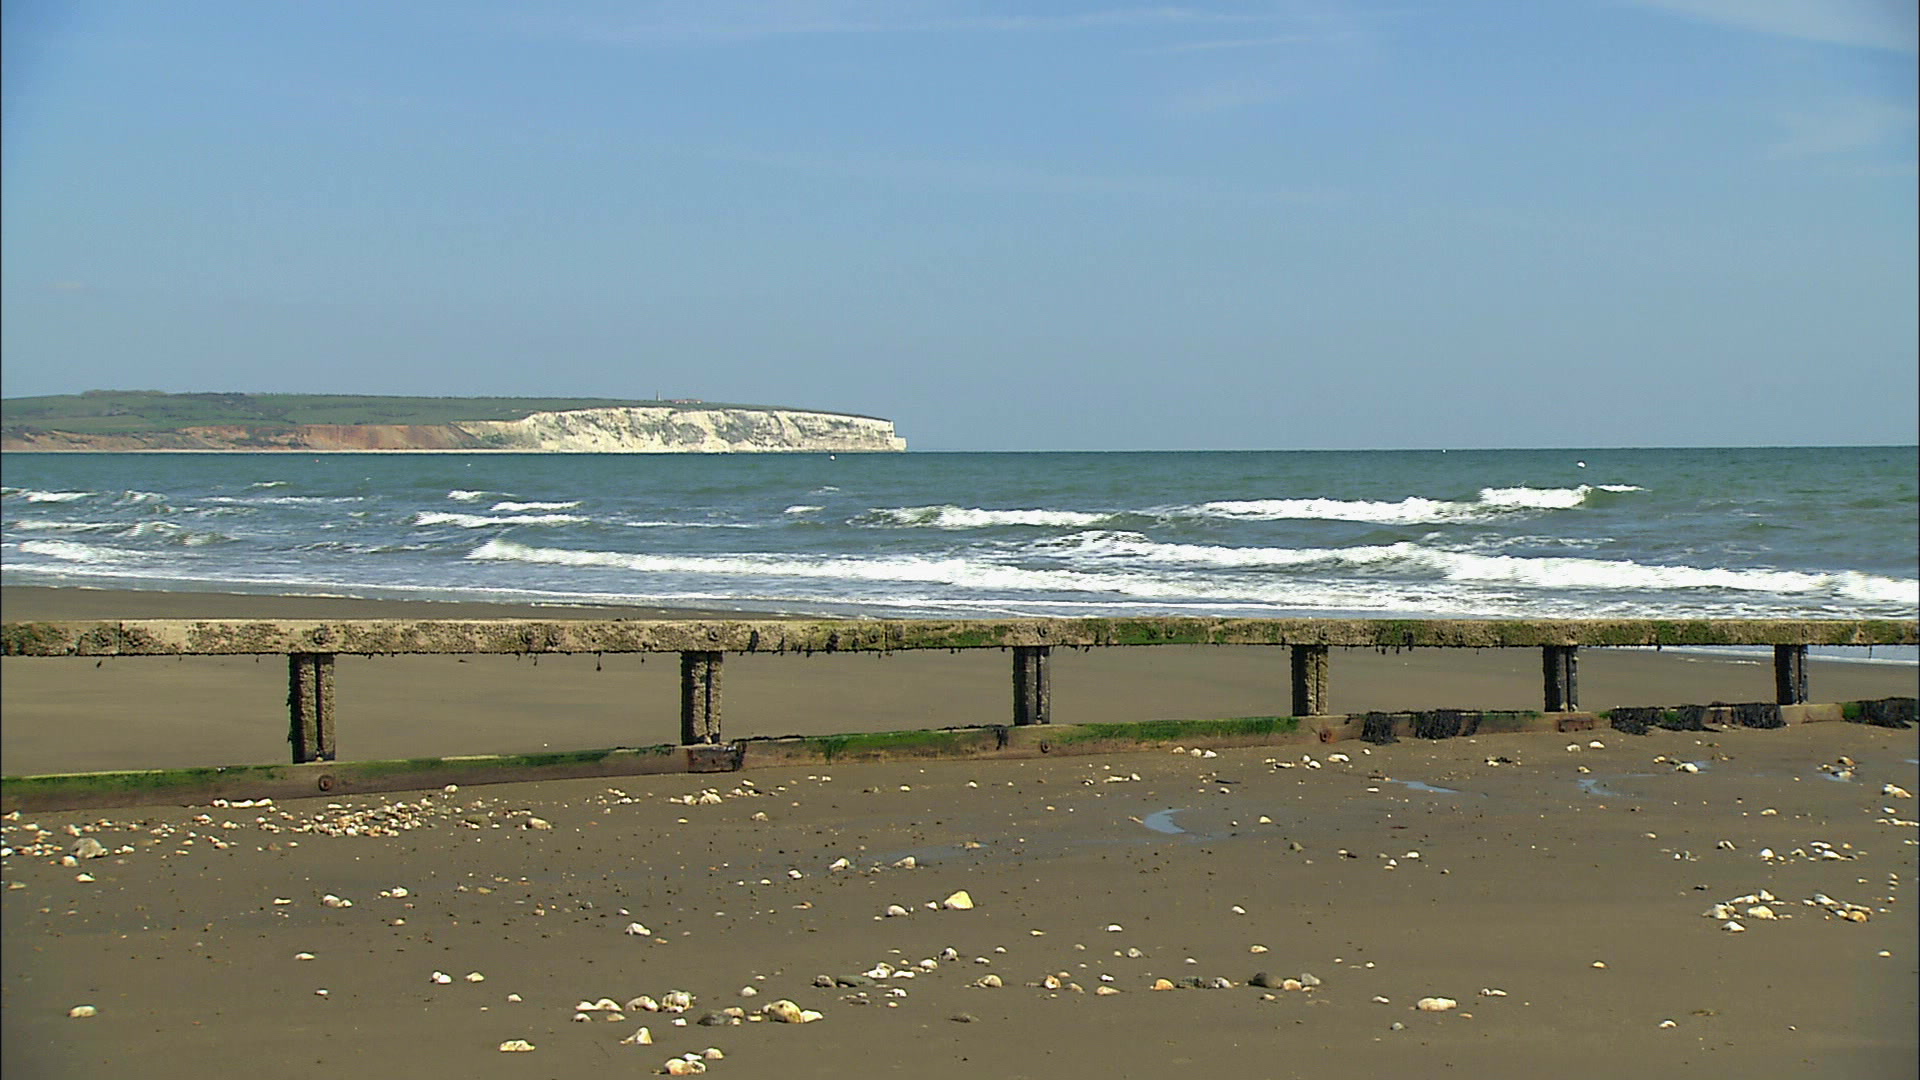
(1771, 532)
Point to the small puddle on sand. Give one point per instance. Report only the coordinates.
(1594, 785)
(1421, 785)
(1161, 821)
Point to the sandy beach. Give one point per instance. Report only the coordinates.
(1496, 871)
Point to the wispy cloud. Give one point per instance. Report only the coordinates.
(1002, 176)
(1870, 24)
(1268, 41)
(1845, 126)
(679, 21)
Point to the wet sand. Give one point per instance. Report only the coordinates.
(1529, 871)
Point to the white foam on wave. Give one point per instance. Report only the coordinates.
(34, 496)
(463, 495)
(74, 552)
(962, 517)
(69, 526)
(802, 509)
(1412, 510)
(478, 521)
(520, 507)
(1550, 572)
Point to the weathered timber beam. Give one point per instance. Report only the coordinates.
(310, 707)
(700, 697)
(373, 637)
(1560, 668)
(1032, 696)
(1310, 680)
(1790, 674)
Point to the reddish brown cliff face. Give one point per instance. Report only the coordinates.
(312, 437)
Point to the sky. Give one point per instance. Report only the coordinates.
(1086, 225)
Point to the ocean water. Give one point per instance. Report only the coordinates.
(1812, 532)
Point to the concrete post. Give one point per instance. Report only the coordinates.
(1310, 680)
(310, 706)
(1032, 697)
(1560, 666)
(700, 697)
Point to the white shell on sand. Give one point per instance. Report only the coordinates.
(988, 982)
(959, 901)
(89, 848)
(895, 910)
(333, 901)
(1894, 790)
(1732, 927)
(683, 1067)
(515, 1046)
(842, 863)
(1686, 767)
(907, 863)
(81, 1012)
(1668, 1024)
(643, 1003)
(749, 991)
(1436, 1004)
(1105, 991)
(677, 1001)
(635, 929)
(642, 1037)
(441, 977)
(712, 1053)
(303, 956)
(474, 976)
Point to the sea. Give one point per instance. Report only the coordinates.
(1821, 532)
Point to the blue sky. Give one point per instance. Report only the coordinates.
(1004, 226)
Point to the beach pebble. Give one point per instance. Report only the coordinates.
(81, 1012)
(749, 991)
(1106, 991)
(541, 824)
(959, 901)
(1732, 927)
(643, 1003)
(895, 911)
(1436, 1004)
(907, 863)
(333, 901)
(637, 930)
(515, 1046)
(789, 1013)
(642, 1037)
(1686, 767)
(303, 956)
(988, 982)
(675, 1001)
(1896, 791)
(683, 1067)
(89, 848)
(1256, 948)
(441, 977)
(1162, 984)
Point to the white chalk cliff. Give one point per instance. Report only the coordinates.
(661, 429)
